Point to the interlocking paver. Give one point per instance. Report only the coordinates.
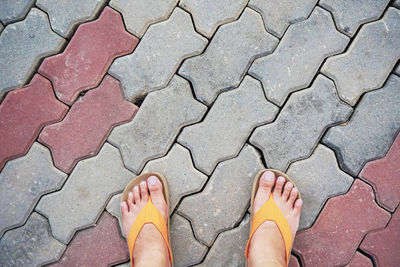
(371, 129)
(101, 245)
(140, 14)
(227, 125)
(298, 56)
(83, 197)
(23, 113)
(359, 260)
(30, 245)
(318, 178)
(88, 55)
(87, 125)
(340, 227)
(349, 15)
(369, 59)
(396, 3)
(384, 245)
(224, 63)
(300, 124)
(1, 28)
(158, 121)
(208, 14)
(13, 10)
(279, 14)
(158, 55)
(66, 14)
(397, 70)
(114, 208)
(218, 212)
(293, 262)
(23, 44)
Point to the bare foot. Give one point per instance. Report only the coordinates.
(267, 246)
(150, 248)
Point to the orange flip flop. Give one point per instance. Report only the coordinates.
(270, 212)
(149, 214)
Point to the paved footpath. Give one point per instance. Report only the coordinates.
(93, 93)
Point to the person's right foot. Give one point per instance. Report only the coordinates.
(267, 247)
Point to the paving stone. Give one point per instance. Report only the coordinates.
(359, 260)
(340, 227)
(158, 121)
(318, 178)
(114, 208)
(87, 125)
(187, 250)
(384, 245)
(227, 58)
(397, 70)
(300, 124)
(140, 14)
(208, 15)
(211, 211)
(371, 130)
(83, 197)
(278, 15)
(227, 125)
(396, 3)
(30, 245)
(293, 262)
(17, 62)
(298, 56)
(384, 175)
(23, 113)
(349, 15)
(88, 55)
(159, 54)
(101, 245)
(1, 27)
(369, 59)
(126, 264)
(13, 10)
(66, 14)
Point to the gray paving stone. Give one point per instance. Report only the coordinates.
(23, 181)
(318, 178)
(13, 10)
(279, 14)
(349, 15)
(66, 14)
(186, 249)
(300, 124)
(228, 124)
(212, 211)
(155, 126)
(140, 14)
(209, 14)
(83, 197)
(227, 58)
(114, 208)
(371, 129)
(397, 70)
(1, 27)
(396, 3)
(369, 59)
(126, 264)
(158, 55)
(30, 245)
(23, 44)
(298, 56)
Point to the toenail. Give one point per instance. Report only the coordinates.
(136, 188)
(294, 190)
(130, 195)
(289, 185)
(281, 179)
(142, 183)
(152, 180)
(268, 176)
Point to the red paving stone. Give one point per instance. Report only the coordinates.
(23, 113)
(384, 245)
(88, 55)
(293, 262)
(340, 227)
(88, 124)
(384, 175)
(359, 260)
(101, 245)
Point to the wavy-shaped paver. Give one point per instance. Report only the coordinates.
(371, 129)
(30, 245)
(227, 125)
(88, 55)
(300, 124)
(359, 260)
(298, 56)
(18, 62)
(114, 208)
(160, 117)
(87, 125)
(369, 59)
(340, 227)
(13, 10)
(158, 55)
(224, 63)
(218, 212)
(23, 113)
(83, 197)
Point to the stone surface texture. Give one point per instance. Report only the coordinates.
(114, 208)
(396, 3)
(359, 260)
(228, 56)
(13, 10)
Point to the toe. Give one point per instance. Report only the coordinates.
(124, 208)
(155, 187)
(286, 190)
(144, 194)
(298, 205)
(136, 194)
(265, 185)
(293, 196)
(278, 186)
(130, 200)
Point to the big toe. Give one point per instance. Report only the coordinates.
(265, 185)
(157, 194)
